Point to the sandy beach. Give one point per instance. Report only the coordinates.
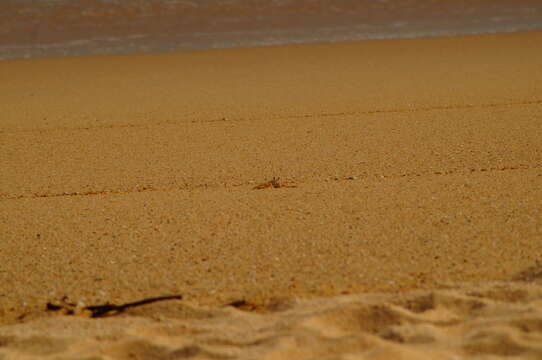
(370, 200)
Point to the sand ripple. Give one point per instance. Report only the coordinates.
(496, 320)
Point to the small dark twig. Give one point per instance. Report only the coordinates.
(104, 310)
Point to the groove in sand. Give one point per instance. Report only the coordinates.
(294, 181)
(298, 116)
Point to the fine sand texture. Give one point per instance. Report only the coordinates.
(375, 200)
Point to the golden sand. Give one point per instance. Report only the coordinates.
(372, 200)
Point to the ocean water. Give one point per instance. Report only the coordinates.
(51, 28)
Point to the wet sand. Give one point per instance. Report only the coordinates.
(52, 28)
(406, 210)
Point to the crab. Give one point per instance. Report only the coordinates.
(273, 183)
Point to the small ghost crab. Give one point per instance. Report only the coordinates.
(273, 183)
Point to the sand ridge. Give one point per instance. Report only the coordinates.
(490, 320)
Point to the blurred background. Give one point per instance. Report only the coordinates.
(43, 28)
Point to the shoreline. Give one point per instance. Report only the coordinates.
(22, 53)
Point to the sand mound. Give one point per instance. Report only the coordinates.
(496, 320)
